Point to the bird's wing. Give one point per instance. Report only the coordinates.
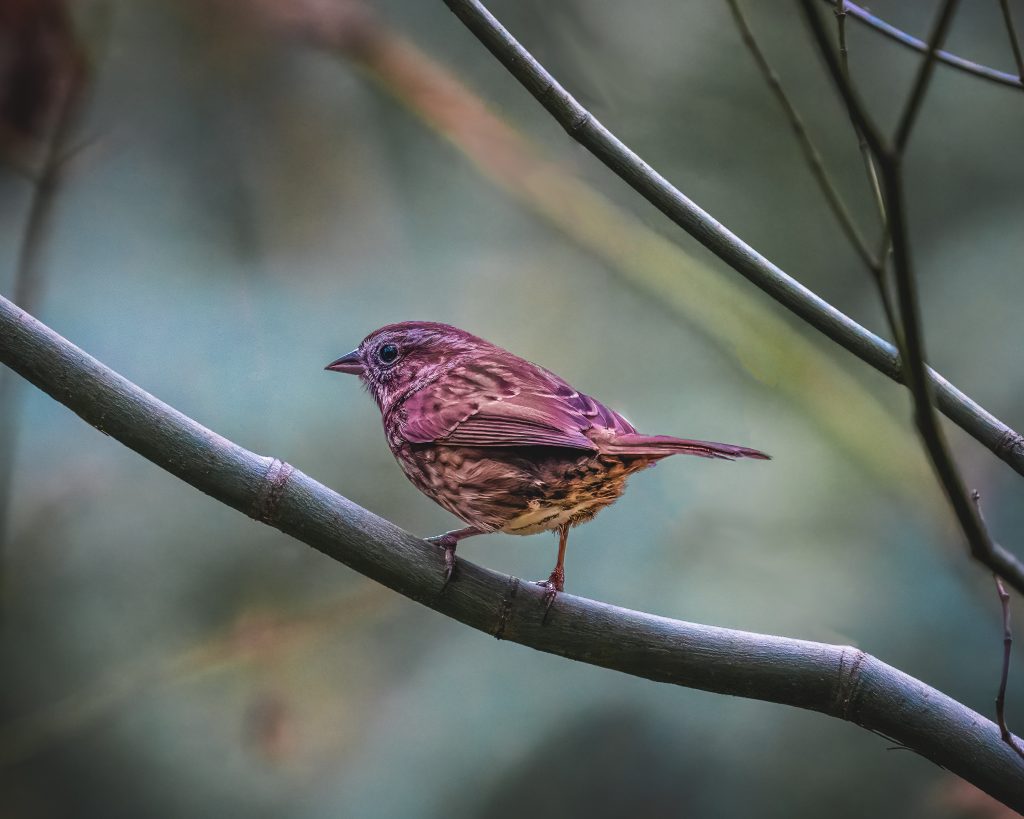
(490, 403)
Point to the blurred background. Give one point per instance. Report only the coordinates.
(232, 193)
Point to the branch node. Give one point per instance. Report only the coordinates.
(1010, 444)
(849, 682)
(579, 123)
(271, 489)
(506, 608)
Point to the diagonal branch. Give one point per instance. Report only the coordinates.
(839, 681)
(924, 76)
(982, 547)
(877, 270)
(952, 60)
(582, 126)
(862, 145)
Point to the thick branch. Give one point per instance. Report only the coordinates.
(839, 681)
(582, 126)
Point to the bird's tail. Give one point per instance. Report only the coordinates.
(661, 446)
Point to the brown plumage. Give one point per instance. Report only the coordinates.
(501, 443)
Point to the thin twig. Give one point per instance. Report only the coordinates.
(981, 544)
(1004, 602)
(862, 145)
(877, 269)
(811, 153)
(1011, 32)
(1008, 737)
(839, 681)
(976, 69)
(889, 159)
(924, 75)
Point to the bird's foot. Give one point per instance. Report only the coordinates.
(447, 542)
(552, 586)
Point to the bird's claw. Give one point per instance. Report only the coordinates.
(550, 593)
(448, 543)
(552, 586)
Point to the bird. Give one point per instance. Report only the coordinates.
(500, 442)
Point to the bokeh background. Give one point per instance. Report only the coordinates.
(257, 184)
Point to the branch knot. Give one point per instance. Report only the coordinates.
(271, 489)
(1011, 444)
(506, 608)
(849, 683)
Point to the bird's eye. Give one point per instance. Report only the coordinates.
(387, 354)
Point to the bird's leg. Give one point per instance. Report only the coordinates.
(556, 581)
(448, 541)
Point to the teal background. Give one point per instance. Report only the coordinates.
(252, 206)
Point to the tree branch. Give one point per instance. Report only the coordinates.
(952, 60)
(582, 126)
(839, 681)
(878, 269)
(924, 76)
(889, 157)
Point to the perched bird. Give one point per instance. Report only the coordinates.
(500, 442)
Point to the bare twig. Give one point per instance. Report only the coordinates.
(976, 69)
(889, 159)
(839, 681)
(862, 145)
(982, 546)
(811, 153)
(1004, 602)
(1011, 32)
(924, 76)
(877, 269)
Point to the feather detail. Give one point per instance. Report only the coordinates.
(661, 446)
(483, 403)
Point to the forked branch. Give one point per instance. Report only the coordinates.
(889, 157)
(984, 72)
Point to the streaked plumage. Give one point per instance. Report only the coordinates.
(500, 442)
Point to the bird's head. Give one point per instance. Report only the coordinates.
(401, 357)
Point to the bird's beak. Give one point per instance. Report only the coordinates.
(348, 363)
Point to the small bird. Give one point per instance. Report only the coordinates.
(500, 442)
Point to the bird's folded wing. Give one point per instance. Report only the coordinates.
(485, 407)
